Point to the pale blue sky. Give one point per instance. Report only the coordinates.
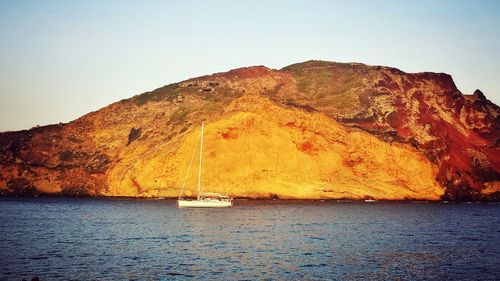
(62, 59)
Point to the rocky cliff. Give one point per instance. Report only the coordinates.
(310, 130)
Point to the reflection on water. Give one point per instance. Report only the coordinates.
(61, 239)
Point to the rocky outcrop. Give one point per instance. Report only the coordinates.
(310, 130)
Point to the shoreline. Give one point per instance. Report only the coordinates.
(249, 199)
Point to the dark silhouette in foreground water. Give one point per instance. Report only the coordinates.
(62, 239)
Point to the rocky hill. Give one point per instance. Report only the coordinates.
(310, 130)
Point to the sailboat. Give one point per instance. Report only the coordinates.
(204, 199)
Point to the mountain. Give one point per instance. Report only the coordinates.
(310, 130)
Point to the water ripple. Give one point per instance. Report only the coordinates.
(121, 239)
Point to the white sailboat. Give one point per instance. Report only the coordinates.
(204, 199)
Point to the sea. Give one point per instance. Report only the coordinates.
(145, 239)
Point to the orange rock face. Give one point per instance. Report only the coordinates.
(315, 130)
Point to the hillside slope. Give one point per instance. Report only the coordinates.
(310, 130)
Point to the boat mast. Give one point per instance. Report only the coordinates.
(199, 169)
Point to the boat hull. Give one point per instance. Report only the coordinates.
(203, 204)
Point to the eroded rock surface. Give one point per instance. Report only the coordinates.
(310, 130)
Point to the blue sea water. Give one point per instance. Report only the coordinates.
(127, 239)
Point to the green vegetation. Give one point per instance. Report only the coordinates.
(164, 93)
(272, 92)
(178, 115)
(313, 81)
(171, 91)
(328, 84)
(299, 67)
(213, 97)
(219, 95)
(342, 101)
(211, 106)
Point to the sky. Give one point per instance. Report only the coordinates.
(62, 59)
